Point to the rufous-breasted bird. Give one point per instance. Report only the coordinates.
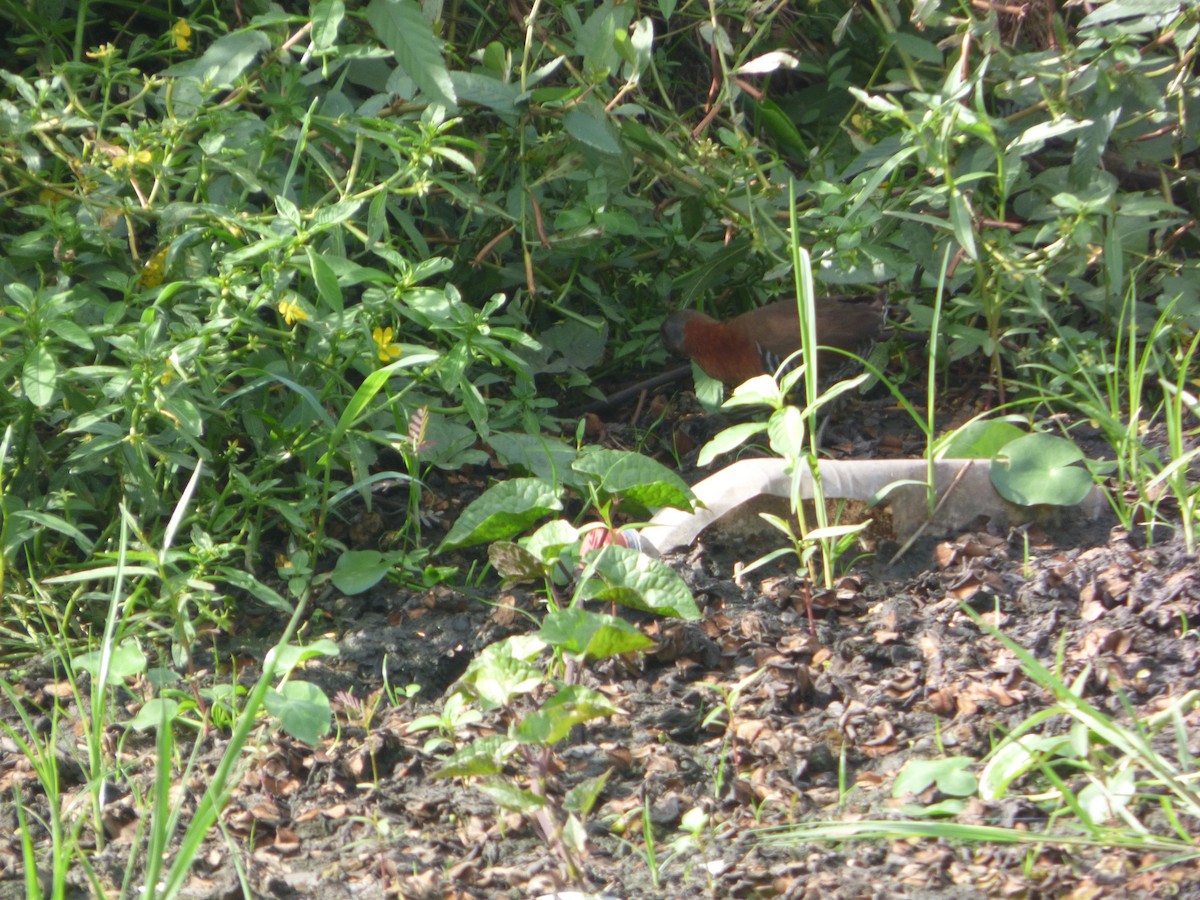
(757, 342)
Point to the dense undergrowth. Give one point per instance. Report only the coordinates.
(261, 263)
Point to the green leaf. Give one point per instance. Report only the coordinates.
(981, 439)
(367, 391)
(504, 670)
(581, 798)
(302, 710)
(549, 541)
(360, 570)
(293, 655)
(952, 777)
(514, 563)
(508, 796)
(1125, 9)
(620, 473)
(571, 706)
(225, 60)
(39, 374)
(327, 16)
(632, 579)
(963, 224)
(403, 29)
(591, 127)
(786, 430)
(126, 661)
(485, 756)
(56, 523)
(1041, 468)
(546, 457)
(474, 87)
(186, 414)
(154, 713)
(241, 579)
(1015, 757)
(325, 280)
(591, 635)
(502, 511)
(729, 439)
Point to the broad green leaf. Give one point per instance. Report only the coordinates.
(403, 29)
(509, 796)
(504, 670)
(962, 223)
(787, 432)
(294, 654)
(571, 706)
(360, 570)
(483, 90)
(620, 473)
(502, 511)
(1126, 9)
(541, 455)
(581, 798)
(549, 541)
(952, 777)
(327, 18)
(72, 332)
(514, 563)
(1041, 468)
(302, 710)
(917, 47)
(39, 374)
(125, 661)
(588, 125)
(632, 579)
(186, 414)
(981, 439)
(154, 713)
(485, 756)
(591, 635)
(225, 60)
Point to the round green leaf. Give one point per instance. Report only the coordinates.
(1041, 468)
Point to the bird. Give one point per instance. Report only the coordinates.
(757, 342)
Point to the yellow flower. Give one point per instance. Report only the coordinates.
(292, 312)
(181, 31)
(104, 51)
(383, 340)
(121, 159)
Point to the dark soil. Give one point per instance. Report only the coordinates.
(744, 718)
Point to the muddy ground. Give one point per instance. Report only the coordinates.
(745, 720)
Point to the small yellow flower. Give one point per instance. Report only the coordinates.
(383, 340)
(181, 31)
(138, 157)
(292, 312)
(104, 51)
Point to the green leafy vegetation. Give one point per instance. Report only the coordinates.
(271, 270)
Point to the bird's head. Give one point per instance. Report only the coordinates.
(675, 328)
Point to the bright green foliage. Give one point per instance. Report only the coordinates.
(1041, 468)
(317, 250)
